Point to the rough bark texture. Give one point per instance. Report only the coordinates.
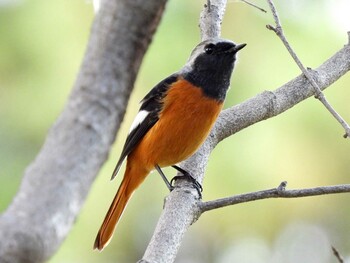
(56, 184)
(211, 18)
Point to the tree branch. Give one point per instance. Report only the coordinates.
(182, 207)
(253, 5)
(318, 93)
(337, 255)
(211, 18)
(55, 185)
(278, 192)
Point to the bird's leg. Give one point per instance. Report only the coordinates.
(169, 185)
(196, 184)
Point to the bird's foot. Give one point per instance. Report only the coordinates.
(187, 175)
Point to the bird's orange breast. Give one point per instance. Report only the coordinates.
(184, 123)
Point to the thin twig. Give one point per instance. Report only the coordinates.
(254, 5)
(278, 192)
(318, 93)
(337, 255)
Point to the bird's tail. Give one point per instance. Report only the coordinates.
(130, 182)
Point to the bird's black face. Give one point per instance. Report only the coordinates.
(216, 57)
(211, 65)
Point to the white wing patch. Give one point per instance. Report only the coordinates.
(138, 119)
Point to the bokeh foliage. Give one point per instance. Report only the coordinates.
(41, 47)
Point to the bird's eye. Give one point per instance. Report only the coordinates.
(209, 49)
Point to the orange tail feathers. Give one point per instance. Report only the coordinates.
(130, 182)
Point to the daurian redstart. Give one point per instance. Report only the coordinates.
(174, 119)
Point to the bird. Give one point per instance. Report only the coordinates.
(174, 119)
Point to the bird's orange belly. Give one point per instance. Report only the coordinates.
(184, 123)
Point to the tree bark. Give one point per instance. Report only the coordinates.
(55, 185)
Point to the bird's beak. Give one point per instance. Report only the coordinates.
(239, 47)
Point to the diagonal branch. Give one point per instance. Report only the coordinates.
(254, 5)
(278, 192)
(318, 93)
(337, 255)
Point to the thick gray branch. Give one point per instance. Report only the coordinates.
(211, 18)
(56, 184)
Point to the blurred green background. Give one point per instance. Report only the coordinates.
(41, 47)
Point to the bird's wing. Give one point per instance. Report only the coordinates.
(148, 115)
